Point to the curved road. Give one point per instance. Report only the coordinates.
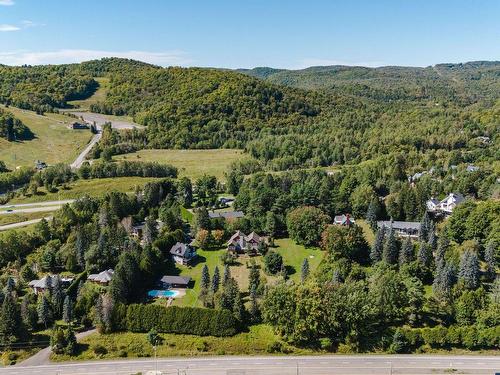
(277, 365)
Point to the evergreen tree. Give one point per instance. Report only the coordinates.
(10, 320)
(432, 238)
(202, 219)
(469, 269)
(28, 313)
(205, 277)
(254, 307)
(304, 271)
(443, 244)
(336, 277)
(378, 246)
(489, 258)
(253, 277)
(57, 296)
(372, 213)
(390, 252)
(271, 227)
(424, 255)
(425, 224)
(67, 310)
(238, 308)
(80, 247)
(443, 280)
(123, 286)
(216, 280)
(9, 286)
(150, 231)
(495, 290)
(406, 254)
(227, 274)
(43, 310)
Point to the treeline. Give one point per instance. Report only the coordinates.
(13, 129)
(14, 179)
(127, 169)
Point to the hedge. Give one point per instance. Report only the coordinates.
(185, 320)
(469, 337)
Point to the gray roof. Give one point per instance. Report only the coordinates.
(180, 280)
(399, 224)
(44, 282)
(102, 277)
(226, 214)
(179, 249)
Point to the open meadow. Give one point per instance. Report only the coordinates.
(53, 142)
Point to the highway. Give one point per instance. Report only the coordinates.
(276, 365)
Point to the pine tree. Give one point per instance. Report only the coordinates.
(28, 313)
(254, 277)
(489, 258)
(425, 224)
(304, 271)
(80, 247)
(336, 278)
(57, 296)
(238, 308)
(443, 280)
(371, 214)
(227, 274)
(271, 227)
(378, 246)
(10, 322)
(406, 254)
(9, 285)
(390, 252)
(43, 311)
(216, 280)
(254, 307)
(469, 269)
(67, 310)
(205, 278)
(150, 231)
(432, 238)
(424, 255)
(443, 244)
(202, 219)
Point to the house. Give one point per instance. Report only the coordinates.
(182, 253)
(175, 281)
(401, 228)
(40, 165)
(416, 176)
(433, 205)
(77, 126)
(472, 168)
(226, 215)
(343, 220)
(138, 229)
(240, 243)
(102, 278)
(450, 202)
(226, 201)
(45, 283)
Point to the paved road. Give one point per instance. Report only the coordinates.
(43, 356)
(320, 365)
(81, 158)
(30, 209)
(37, 204)
(100, 120)
(22, 223)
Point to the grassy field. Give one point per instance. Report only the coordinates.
(293, 256)
(93, 187)
(53, 142)
(368, 232)
(134, 345)
(191, 163)
(98, 96)
(19, 217)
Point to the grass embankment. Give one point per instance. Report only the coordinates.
(191, 163)
(367, 231)
(53, 142)
(293, 256)
(256, 341)
(98, 96)
(19, 217)
(94, 187)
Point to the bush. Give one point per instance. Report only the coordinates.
(184, 320)
(325, 343)
(99, 350)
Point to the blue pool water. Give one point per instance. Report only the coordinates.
(163, 293)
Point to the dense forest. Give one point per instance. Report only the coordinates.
(13, 129)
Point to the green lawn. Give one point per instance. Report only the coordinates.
(134, 345)
(293, 256)
(98, 96)
(191, 163)
(19, 217)
(53, 141)
(93, 187)
(368, 232)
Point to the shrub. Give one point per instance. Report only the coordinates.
(99, 350)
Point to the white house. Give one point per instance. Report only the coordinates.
(450, 202)
(433, 205)
(182, 253)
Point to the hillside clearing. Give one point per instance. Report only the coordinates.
(191, 163)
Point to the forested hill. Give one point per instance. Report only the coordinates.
(463, 83)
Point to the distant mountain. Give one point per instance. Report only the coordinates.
(465, 83)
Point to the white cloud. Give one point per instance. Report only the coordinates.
(65, 56)
(4, 27)
(308, 62)
(6, 2)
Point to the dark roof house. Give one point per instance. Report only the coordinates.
(175, 281)
(226, 214)
(182, 253)
(401, 228)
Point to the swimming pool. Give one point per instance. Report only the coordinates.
(163, 293)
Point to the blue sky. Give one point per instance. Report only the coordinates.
(233, 34)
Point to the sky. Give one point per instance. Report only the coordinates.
(244, 34)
